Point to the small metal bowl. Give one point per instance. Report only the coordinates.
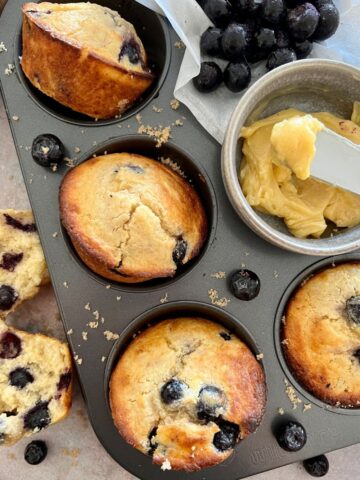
(309, 85)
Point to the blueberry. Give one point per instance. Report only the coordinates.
(317, 466)
(130, 49)
(227, 437)
(328, 21)
(357, 354)
(37, 417)
(247, 7)
(135, 168)
(24, 227)
(179, 251)
(64, 381)
(10, 260)
(8, 297)
(35, 452)
(10, 345)
(282, 39)
(211, 403)
(172, 391)
(280, 57)
(291, 437)
(153, 444)
(226, 336)
(20, 377)
(210, 42)
(219, 11)
(303, 49)
(47, 149)
(234, 41)
(302, 21)
(209, 78)
(237, 76)
(272, 11)
(245, 284)
(265, 40)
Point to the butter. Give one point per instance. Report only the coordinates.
(275, 172)
(294, 143)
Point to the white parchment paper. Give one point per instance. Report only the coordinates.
(214, 110)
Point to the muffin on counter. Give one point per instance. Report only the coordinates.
(85, 56)
(22, 263)
(186, 391)
(35, 383)
(130, 218)
(321, 335)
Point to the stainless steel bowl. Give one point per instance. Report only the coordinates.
(310, 85)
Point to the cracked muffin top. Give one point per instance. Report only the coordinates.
(186, 391)
(22, 263)
(131, 218)
(321, 335)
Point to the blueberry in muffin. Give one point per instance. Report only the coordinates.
(186, 394)
(130, 218)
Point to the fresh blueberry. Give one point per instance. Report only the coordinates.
(209, 78)
(37, 417)
(211, 403)
(237, 76)
(35, 452)
(10, 345)
(24, 227)
(303, 49)
(8, 297)
(47, 150)
(226, 336)
(227, 437)
(280, 57)
(153, 444)
(247, 7)
(210, 42)
(328, 22)
(245, 284)
(291, 436)
(179, 251)
(302, 21)
(219, 11)
(172, 391)
(272, 11)
(131, 50)
(282, 39)
(234, 41)
(20, 377)
(265, 40)
(64, 381)
(317, 466)
(10, 260)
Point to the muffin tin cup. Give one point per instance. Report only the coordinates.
(92, 305)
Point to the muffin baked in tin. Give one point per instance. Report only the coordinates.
(130, 218)
(321, 335)
(186, 391)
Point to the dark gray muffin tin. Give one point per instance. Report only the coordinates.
(126, 309)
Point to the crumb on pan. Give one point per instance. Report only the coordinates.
(215, 300)
(110, 335)
(218, 275)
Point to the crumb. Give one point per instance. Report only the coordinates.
(285, 341)
(179, 123)
(108, 287)
(164, 299)
(290, 392)
(103, 359)
(84, 336)
(246, 254)
(138, 118)
(82, 131)
(179, 44)
(96, 315)
(173, 165)
(66, 285)
(78, 360)
(45, 150)
(10, 69)
(30, 181)
(281, 411)
(110, 335)
(77, 149)
(70, 332)
(283, 319)
(94, 143)
(71, 452)
(2, 47)
(260, 356)
(54, 167)
(27, 148)
(276, 274)
(157, 109)
(69, 162)
(160, 134)
(243, 265)
(166, 465)
(215, 300)
(118, 298)
(15, 118)
(102, 320)
(218, 275)
(93, 324)
(307, 406)
(55, 234)
(174, 104)
(87, 306)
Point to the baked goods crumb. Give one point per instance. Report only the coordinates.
(77, 149)
(103, 359)
(166, 465)
(69, 162)
(54, 167)
(87, 306)
(160, 134)
(108, 287)
(179, 44)
(276, 274)
(15, 118)
(157, 109)
(281, 411)
(118, 298)
(55, 234)
(290, 392)
(93, 324)
(164, 299)
(84, 336)
(110, 335)
(66, 285)
(174, 104)
(215, 300)
(78, 360)
(2, 47)
(102, 320)
(96, 315)
(307, 406)
(173, 165)
(70, 332)
(285, 341)
(138, 118)
(10, 69)
(259, 356)
(179, 123)
(218, 275)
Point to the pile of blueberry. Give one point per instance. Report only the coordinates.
(249, 31)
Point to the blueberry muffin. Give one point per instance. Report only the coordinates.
(186, 391)
(35, 383)
(22, 263)
(85, 56)
(131, 218)
(321, 335)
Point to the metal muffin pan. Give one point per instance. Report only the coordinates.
(128, 308)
